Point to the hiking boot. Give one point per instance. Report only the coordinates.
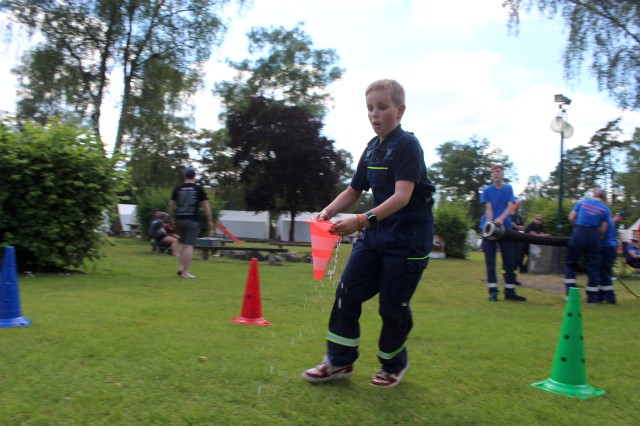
(324, 372)
(383, 379)
(515, 298)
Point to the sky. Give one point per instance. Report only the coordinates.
(465, 75)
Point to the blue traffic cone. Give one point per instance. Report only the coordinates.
(10, 312)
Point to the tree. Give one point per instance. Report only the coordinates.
(159, 136)
(629, 179)
(291, 71)
(87, 42)
(587, 165)
(606, 30)
(284, 162)
(464, 170)
(606, 144)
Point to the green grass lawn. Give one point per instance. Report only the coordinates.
(119, 344)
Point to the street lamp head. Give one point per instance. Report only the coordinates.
(567, 132)
(562, 99)
(558, 124)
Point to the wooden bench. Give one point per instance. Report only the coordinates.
(271, 251)
(282, 244)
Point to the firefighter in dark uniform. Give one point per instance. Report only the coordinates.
(590, 219)
(394, 249)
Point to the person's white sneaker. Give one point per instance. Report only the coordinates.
(324, 372)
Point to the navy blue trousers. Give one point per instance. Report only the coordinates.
(374, 269)
(607, 260)
(585, 242)
(508, 252)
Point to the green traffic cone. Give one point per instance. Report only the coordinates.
(569, 373)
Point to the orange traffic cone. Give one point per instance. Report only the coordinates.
(322, 244)
(251, 310)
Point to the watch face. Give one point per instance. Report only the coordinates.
(373, 219)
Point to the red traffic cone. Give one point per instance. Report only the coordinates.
(251, 310)
(10, 311)
(322, 245)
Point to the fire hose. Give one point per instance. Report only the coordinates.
(492, 231)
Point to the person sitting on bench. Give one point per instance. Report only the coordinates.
(632, 253)
(165, 234)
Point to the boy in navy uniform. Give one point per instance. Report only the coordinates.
(394, 249)
(590, 220)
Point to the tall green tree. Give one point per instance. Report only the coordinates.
(286, 68)
(285, 163)
(286, 80)
(160, 136)
(578, 177)
(606, 33)
(464, 170)
(88, 42)
(597, 162)
(629, 179)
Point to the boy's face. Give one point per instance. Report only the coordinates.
(384, 114)
(497, 174)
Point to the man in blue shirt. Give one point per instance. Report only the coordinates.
(498, 201)
(590, 220)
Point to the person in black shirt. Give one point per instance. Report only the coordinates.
(186, 199)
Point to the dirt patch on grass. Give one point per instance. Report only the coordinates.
(550, 284)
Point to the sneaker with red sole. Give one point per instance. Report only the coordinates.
(383, 379)
(324, 372)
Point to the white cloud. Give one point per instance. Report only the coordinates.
(458, 15)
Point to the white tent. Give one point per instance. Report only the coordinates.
(626, 234)
(243, 224)
(128, 214)
(301, 232)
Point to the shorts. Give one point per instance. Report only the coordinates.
(188, 231)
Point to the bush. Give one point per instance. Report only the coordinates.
(452, 222)
(56, 183)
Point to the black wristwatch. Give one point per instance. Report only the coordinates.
(371, 218)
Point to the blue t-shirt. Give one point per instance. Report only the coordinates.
(611, 236)
(630, 249)
(591, 213)
(499, 199)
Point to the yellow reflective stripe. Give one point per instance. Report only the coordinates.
(419, 258)
(377, 168)
(344, 341)
(384, 355)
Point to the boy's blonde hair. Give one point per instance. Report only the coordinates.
(394, 88)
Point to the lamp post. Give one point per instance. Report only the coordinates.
(560, 125)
